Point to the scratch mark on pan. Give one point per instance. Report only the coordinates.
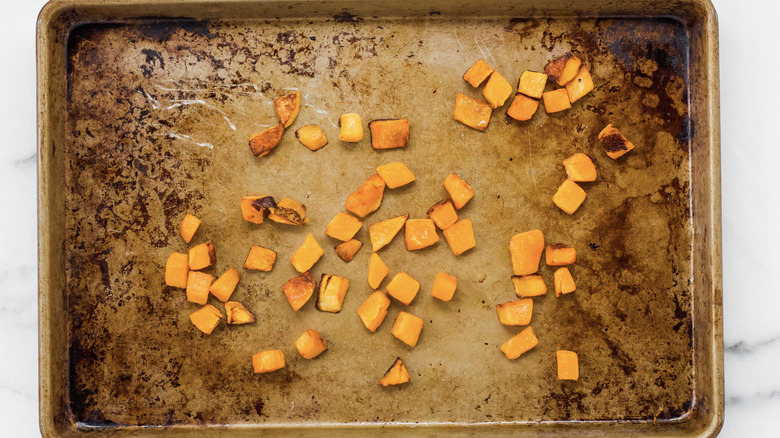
(458, 40)
(490, 54)
(178, 103)
(155, 103)
(187, 138)
(480, 48)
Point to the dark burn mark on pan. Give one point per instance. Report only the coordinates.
(346, 17)
(159, 30)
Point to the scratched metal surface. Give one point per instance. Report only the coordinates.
(158, 116)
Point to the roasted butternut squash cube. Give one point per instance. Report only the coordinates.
(343, 227)
(529, 285)
(177, 270)
(522, 108)
(563, 68)
(472, 112)
(564, 283)
(443, 214)
(373, 310)
(526, 251)
(420, 233)
(560, 254)
(581, 85)
(351, 128)
(532, 83)
(460, 191)
(407, 328)
(299, 289)
(569, 196)
(497, 90)
(198, 284)
(520, 343)
(288, 211)
(477, 73)
(383, 232)
(202, 256)
(287, 108)
(515, 312)
(188, 227)
(614, 143)
(333, 289)
(307, 255)
(568, 365)
(224, 286)
(206, 319)
(367, 198)
(389, 133)
(403, 287)
(264, 141)
(310, 344)
(237, 313)
(377, 271)
(444, 286)
(579, 167)
(460, 236)
(312, 136)
(260, 259)
(396, 375)
(347, 250)
(395, 174)
(267, 361)
(254, 208)
(556, 100)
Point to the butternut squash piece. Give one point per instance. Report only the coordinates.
(460, 236)
(383, 232)
(224, 286)
(522, 108)
(307, 255)
(564, 283)
(206, 319)
(560, 254)
(202, 256)
(377, 271)
(264, 141)
(529, 285)
(288, 211)
(556, 100)
(389, 133)
(188, 227)
(443, 214)
(420, 233)
(198, 284)
(532, 83)
(579, 167)
(444, 286)
(395, 174)
(312, 136)
(351, 128)
(520, 343)
(237, 313)
(177, 270)
(563, 68)
(472, 112)
(333, 289)
(373, 310)
(367, 198)
(254, 208)
(310, 344)
(497, 90)
(568, 365)
(614, 143)
(267, 361)
(347, 250)
(569, 196)
(343, 227)
(581, 85)
(477, 73)
(403, 287)
(299, 289)
(460, 191)
(407, 328)
(526, 250)
(287, 108)
(260, 259)
(395, 375)
(515, 312)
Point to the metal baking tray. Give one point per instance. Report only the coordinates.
(145, 108)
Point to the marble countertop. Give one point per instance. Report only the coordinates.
(748, 29)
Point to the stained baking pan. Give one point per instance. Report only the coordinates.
(144, 113)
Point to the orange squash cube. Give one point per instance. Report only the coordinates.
(288, 211)
(343, 227)
(614, 143)
(368, 197)
(351, 128)
(556, 100)
(333, 289)
(312, 136)
(460, 236)
(307, 255)
(267, 361)
(373, 310)
(389, 133)
(299, 289)
(563, 68)
(532, 83)
(444, 286)
(254, 208)
(396, 375)
(260, 259)
(477, 73)
(520, 343)
(581, 85)
(395, 174)
(526, 250)
(377, 271)
(224, 286)
(568, 365)
(383, 232)
(529, 285)
(564, 283)
(497, 90)
(264, 141)
(420, 233)
(206, 319)
(460, 191)
(287, 108)
(443, 214)
(569, 196)
(347, 250)
(579, 167)
(403, 287)
(522, 108)
(198, 287)
(237, 313)
(515, 312)
(202, 256)
(560, 254)
(407, 328)
(472, 112)
(177, 270)
(310, 344)
(188, 227)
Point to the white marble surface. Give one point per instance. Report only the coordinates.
(750, 152)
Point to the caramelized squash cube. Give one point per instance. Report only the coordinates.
(614, 143)
(188, 227)
(347, 250)
(529, 285)
(383, 232)
(520, 343)
(395, 174)
(287, 108)
(254, 208)
(560, 254)
(206, 319)
(579, 167)
(333, 289)
(407, 328)
(515, 312)
(260, 259)
(526, 250)
(564, 283)
(288, 211)
(563, 68)
(299, 289)
(522, 108)
(443, 214)
(177, 270)
(267, 361)
(568, 365)
(310, 344)
(377, 271)
(477, 73)
(373, 310)
(198, 284)
(312, 136)
(351, 128)
(307, 255)
(367, 198)
(460, 236)
(556, 100)
(569, 196)
(237, 313)
(389, 133)
(472, 112)
(403, 287)
(460, 191)
(343, 227)
(497, 90)
(444, 286)
(224, 286)
(396, 375)
(532, 83)
(581, 85)
(264, 141)
(420, 233)
(202, 256)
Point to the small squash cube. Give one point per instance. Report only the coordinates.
(460, 191)
(563, 68)
(443, 214)
(396, 375)
(522, 108)
(614, 143)
(310, 344)
(497, 90)
(347, 250)
(312, 136)
(564, 283)
(472, 112)
(383, 232)
(395, 174)
(477, 73)
(532, 83)
(202, 256)
(389, 133)
(460, 236)
(333, 289)
(307, 255)
(377, 271)
(373, 310)
(206, 318)
(299, 289)
(198, 284)
(188, 227)
(288, 211)
(224, 286)
(403, 287)
(526, 250)
(351, 128)
(568, 365)
(407, 328)
(260, 259)
(254, 208)
(267, 361)
(177, 270)
(444, 286)
(515, 312)
(529, 285)
(569, 196)
(287, 108)
(560, 254)
(237, 313)
(368, 197)
(556, 100)
(420, 233)
(581, 85)
(264, 141)
(343, 227)
(520, 343)
(579, 167)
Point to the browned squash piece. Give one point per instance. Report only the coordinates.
(532, 83)
(382, 233)
(373, 310)
(347, 250)
(237, 313)
(614, 143)
(343, 227)
(202, 256)
(333, 289)
(497, 90)
(396, 375)
(563, 68)
(389, 133)
(288, 211)
(312, 136)
(367, 198)
(581, 85)
(287, 108)
(560, 254)
(299, 289)
(443, 214)
(254, 208)
(529, 285)
(522, 108)
(477, 73)
(206, 318)
(556, 100)
(377, 271)
(260, 259)
(472, 112)
(265, 140)
(460, 191)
